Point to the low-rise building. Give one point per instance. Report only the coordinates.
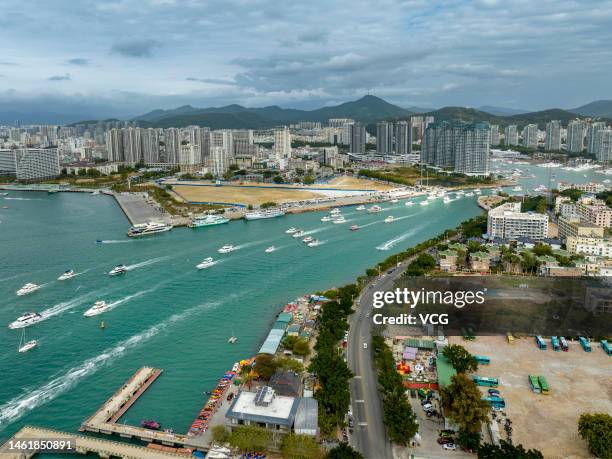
(589, 246)
(592, 187)
(480, 261)
(595, 211)
(447, 260)
(508, 222)
(577, 227)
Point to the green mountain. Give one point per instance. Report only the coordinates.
(601, 108)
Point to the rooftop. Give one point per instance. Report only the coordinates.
(280, 410)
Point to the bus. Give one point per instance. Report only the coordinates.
(535, 385)
(540, 342)
(543, 384)
(606, 346)
(554, 342)
(482, 360)
(495, 402)
(584, 342)
(564, 346)
(488, 382)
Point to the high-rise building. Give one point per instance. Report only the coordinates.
(462, 147)
(222, 138)
(28, 164)
(553, 136)
(603, 145)
(592, 136)
(150, 146)
(511, 135)
(114, 144)
(339, 122)
(172, 141)
(219, 160)
(530, 136)
(575, 136)
(508, 222)
(494, 135)
(132, 145)
(282, 142)
(403, 138)
(358, 138)
(384, 137)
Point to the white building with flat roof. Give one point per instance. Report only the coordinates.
(263, 408)
(508, 222)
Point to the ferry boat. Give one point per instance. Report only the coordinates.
(207, 262)
(291, 230)
(424, 203)
(227, 249)
(307, 239)
(409, 203)
(207, 220)
(298, 233)
(27, 288)
(67, 275)
(146, 229)
(26, 346)
(361, 207)
(326, 219)
(270, 249)
(339, 220)
(314, 243)
(266, 213)
(119, 269)
(375, 208)
(99, 307)
(354, 228)
(29, 318)
(389, 219)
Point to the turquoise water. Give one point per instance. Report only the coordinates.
(168, 314)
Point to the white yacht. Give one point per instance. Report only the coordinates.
(27, 288)
(375, 208)
(270, 249)
(291, 230)
(409, 203)
(26, 346)
(307, 239)
(361, 207)
(314, 243)
(469, 195)
(146, 229)
(477, 191)
(335, 211)
(67, 275)
(298, 233)
(517, 188)
(99, 307)
(424, 202)
(389, 219)
(327, 218)
(29, 318)
(119, 269)
(207, 262)
(266, 213)
(207, 220)
(339, 220)
(227, 248)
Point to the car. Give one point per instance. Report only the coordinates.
(350, 423)
(444, 441)
(365, 345)
(494, 392)
(427, 406)
(449, 446)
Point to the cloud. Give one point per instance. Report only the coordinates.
(64, 77)
(135, 48)
(78, 61)
(8, 63)
(217, 81)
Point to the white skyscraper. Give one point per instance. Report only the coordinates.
(494, 135)
(150, 146)
(603, 145)
(553, 136)
(132, 145)
(282, 142)
(384, 137)
(575, 136)
(403, 138)
(114, 145)
(219, 161)
(530, 136)
(592, 135)
(511, 135)
(172, 139)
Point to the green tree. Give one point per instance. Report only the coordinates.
(265, 366)
(344, 451)
(463, 403)
(220, 434)
(251, 438)
(278, 179)
(542, 249)
(460, 358)
(474, 246)
(300, 447)
(529, 263)
(301, 347)
(268, 204)
(596, 430)
(209, 176)
(308, 180)
(468, 440)
(507, 451)
(421, 265)
(289, 364)
(572, 193)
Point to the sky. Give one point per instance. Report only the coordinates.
(125, 57)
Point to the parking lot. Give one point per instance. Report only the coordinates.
(579, 382)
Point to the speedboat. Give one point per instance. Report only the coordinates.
(314, 243)
(477, 191)
(326, 219)
(307, 239)
(29, 318)
(27, 288)
(298, 233)
(339, 220)
(409, 203)
(226, 249)
(270, 249)
(361, 207)
(67, 275)
(99, 307)
(374, 208)
(119, 269)
(394, 200)
(354, 228)
(389, 219)
(424, 203)
(232, 339)
(291, 230)
(207, 262)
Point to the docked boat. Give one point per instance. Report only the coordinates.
(153, 425)
(307, 239)
(147, 229)
(354, 227)
(409, 203)
(477, 191)
(99, 307)
(266, 213)
(517, 188)
(335, 211)
(67, 275)
(27, 288)
(298, 233)
(361, 207)
(314, 243)
(29, 318)
(207, 262)
(375, 208)
(424, 202)
(207, 220)
(26, 346)
(326, 219)
(119, 269)
(227, 249)
(339, 220)
(270, 249)
(390, 219)
(291, 230)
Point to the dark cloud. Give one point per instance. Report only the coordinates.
(313, 37)
(211, 80)
(65, 76)
(78, 61)
(135, 48)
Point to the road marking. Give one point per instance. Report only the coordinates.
(359, 401)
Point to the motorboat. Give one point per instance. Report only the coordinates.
(29, 318)
(67, 275)
(298, 233)
(446, 199)
(99, 307)
(119, 269)
(147, 229)
(361, 207)
(153, 425)
(469, 195)
(27, 288)
(232, 339)
(375, 208)
(354, 227)
(409, 203)
(314, 243)
(270, 249)
(227, 249)
(307, 239)
(517, 188)
(291, 230)
(206, 263)
(26, 346)
(207, 220)
(336, 210)
(390, 219)
(394, 200)
(326, 219)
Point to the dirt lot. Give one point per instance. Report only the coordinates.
(579, 382)
(358, 183)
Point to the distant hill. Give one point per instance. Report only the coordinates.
(368, 109)
(501, 111)
(601, 108)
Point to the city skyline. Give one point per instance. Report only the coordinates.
(123, 59)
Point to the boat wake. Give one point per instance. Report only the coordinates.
(112, 241)
(23, 199)
(66, 306)
(392, 242)
(31, 399)
(318, 230)
(145, 263)
(112, 305)
(371, 223)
